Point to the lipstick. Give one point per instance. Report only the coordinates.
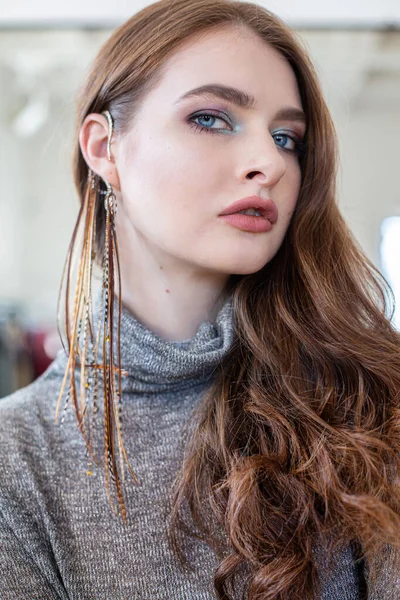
(252, 223)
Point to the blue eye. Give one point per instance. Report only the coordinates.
(208, 119)
(298, 147)
(285, 137)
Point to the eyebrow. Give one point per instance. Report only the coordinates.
(243, 100)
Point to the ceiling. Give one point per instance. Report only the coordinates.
(307, 13)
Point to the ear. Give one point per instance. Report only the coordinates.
(93, 137)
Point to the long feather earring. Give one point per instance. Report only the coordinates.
(86, 344)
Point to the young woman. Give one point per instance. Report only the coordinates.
(236, 375)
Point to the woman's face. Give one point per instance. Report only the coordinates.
(185, 160)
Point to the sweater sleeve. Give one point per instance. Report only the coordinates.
(27, 569)
(28, 566)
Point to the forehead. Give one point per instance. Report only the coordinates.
(234, 56)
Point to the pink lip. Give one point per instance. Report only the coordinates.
(267, 208)
(254, 224)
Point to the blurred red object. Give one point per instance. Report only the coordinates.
(44, 345)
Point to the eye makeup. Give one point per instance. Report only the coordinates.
(215, 117)
(298, 149)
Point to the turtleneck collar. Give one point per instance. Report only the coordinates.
(155, 365)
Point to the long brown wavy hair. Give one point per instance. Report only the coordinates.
(296, 443)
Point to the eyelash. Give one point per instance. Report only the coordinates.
(300, 147)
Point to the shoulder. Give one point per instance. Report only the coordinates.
(31, 409)
(30, 478)
(34, 447)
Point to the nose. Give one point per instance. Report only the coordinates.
(267, 163)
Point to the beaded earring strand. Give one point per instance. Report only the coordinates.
(85, 352)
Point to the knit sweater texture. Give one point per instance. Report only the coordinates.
(59, 540)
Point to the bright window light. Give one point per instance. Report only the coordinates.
(390, 255)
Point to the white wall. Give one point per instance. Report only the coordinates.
(370, 187)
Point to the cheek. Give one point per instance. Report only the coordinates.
(171, 174)
(287, 197)
(166, 186)
(293, 188)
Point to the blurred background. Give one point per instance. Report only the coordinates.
(45, 52)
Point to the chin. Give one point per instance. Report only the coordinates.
(249, 267)
(236, 262)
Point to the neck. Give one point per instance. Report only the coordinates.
(171, 301)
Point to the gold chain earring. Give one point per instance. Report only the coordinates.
(84, 344)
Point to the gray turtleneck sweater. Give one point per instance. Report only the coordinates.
(59, 539)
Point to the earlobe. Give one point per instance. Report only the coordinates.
(95, 145)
